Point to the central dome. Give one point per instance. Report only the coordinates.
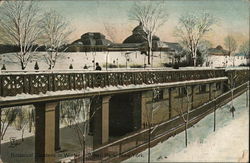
(139, 35)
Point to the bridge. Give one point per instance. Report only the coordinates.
(45, 90)
(52, 83)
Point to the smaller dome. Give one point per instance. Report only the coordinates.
(138, 29)
(219, 47)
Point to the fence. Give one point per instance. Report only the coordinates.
(12, 84)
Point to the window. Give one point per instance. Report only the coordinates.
(157, 95)
(202, 88)
(218, 86)
(182, 92)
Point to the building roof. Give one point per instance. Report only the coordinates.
(240, 54)
(172, 46)
(218, 51)
(92, 39)
(138, 35)
(127, 45)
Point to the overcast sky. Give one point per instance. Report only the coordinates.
(90, 16)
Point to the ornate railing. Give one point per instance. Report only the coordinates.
(42, 82)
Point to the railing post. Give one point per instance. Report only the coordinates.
(1, 86)
(136, 141)
(74, 81)
(53, 83)
(120, 148)
(30, 85)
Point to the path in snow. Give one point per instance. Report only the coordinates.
(225, 145)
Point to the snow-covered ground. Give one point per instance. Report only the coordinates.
(80, 59)
(228, 144)
(221, 61)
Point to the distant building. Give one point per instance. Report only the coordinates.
(91, 41)
(135, 42)
(218, 51)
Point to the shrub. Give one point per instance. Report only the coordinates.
(136, 66)
(70, 66)
(243, 64)
(177, 65)
(122, 66)
(110, 65)
(3, 68)
(36, 66)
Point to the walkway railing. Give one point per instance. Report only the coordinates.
(12, 84)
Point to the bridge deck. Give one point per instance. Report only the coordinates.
(22, 99)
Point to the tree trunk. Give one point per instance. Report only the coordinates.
(149, 141)
(83, 150)
(215, 116)
(22, 134)
(247, 100)
(0, 132)
(186, 136)
(149, 54)
(22, 65)
(107, 61)
(232, 98)
(30, 122)
(4, 131)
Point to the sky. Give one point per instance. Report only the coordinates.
(93, 16)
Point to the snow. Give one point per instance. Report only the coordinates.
(222, 61)
(228, 144)
(79, 59)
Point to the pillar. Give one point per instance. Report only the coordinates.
(210, 91)
(105, 119)
(101, 121)
(45, 132)
(57, 128)
(0, 134)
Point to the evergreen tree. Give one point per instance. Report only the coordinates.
(3, 68)
(70, 66)
(36, 66)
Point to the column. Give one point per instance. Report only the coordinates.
(45, 132)
(101, 121)
(105, 119)
(57, 128)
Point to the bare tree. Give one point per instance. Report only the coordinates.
(182, 111)
(55, 33)
(203, 48)
(233, 76)
(77, 114)
(8, 117)
(244, 49)
(213, 97)
(231, 44)
(149, 117)
(111, 33)
(19, 22)
(191, 29)
(152, 16)
(22, 120)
